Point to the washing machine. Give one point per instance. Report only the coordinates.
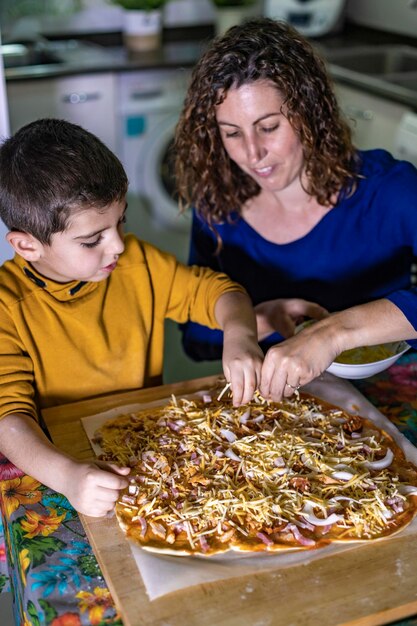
(150, 102)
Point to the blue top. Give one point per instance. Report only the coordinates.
(361, 250)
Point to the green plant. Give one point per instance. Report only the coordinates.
(233, 3)
(141, 5)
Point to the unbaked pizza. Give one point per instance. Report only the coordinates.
(207, 477)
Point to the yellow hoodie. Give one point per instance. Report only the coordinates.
(65, 342)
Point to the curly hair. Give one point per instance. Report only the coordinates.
(260, 49)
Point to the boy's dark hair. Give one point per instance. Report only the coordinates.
(50, 168)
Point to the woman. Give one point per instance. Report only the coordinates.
(285, 204)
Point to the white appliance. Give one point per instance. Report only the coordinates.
(406, 139)
(311, 18)
(189, 13)
(150, 103)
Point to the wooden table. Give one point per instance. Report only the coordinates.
(368, 585)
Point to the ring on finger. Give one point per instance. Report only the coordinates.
(295, 387)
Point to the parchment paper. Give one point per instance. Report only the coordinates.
(164, 574)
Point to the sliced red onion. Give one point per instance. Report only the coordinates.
(228, 434)
(175, 426)
(304, 541)
(259, 418)
(305, 524)
(344, 467)
(158, 529)
(358, 438)
(339, 420)
(408, 489)
(203, 543)
(219, 453)
(280, 471)
(245, 416)
(133, 489)
(126, 499)
(342, 498)
(308, 513)
(308, 462)
(396, 503)
(382, 463)
(231, 455)
(143, 525)
(342, 475)
(207, 398)
(227, 535)
(279, 461)
(266, 540)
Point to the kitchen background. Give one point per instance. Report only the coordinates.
(67, 58)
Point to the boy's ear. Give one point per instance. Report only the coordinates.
(25, 245)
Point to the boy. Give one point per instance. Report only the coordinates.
(82, 308)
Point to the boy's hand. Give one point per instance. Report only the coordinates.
(242, 363)
(93, 488)
(293, 363)
(242, 356)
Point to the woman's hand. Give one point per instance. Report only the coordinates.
(298, 360)
(284, 314)
(303, 357)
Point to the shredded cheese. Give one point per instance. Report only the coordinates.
(214, 473)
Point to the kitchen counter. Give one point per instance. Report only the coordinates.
(106, 53)
(56, 578)
(85, 58)
(182, 48)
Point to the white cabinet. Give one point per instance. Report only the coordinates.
(87, 100)
(374, 120)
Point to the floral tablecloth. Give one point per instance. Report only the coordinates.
(48, 563)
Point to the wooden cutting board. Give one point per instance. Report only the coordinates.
(366, 586)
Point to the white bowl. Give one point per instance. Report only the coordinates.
(364, 370)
